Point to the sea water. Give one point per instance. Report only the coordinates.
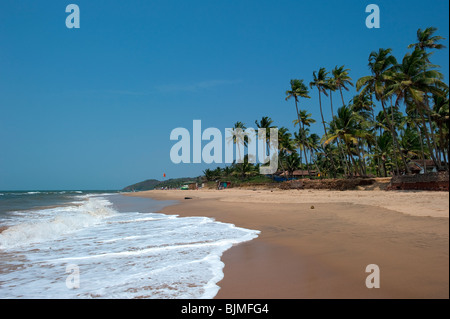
(119, 246)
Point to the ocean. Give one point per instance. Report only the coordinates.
(78, 244)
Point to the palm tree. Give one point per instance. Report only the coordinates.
(331, 85)
(410, 143)
(313, 143)
(426, 40)
(342, 79)
(227, 171)
(292, 162)
(298, 89)
(238, 137)
(305, 120)
(344, 127)
(364, 106)
(320, 81)
(384, 143)
(380, 65)
(285, 145)
(440, 115)
(266, 123)
(210, 175)
(245, 168)
(301, 140)
(412, 80)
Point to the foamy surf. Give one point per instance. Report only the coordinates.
(49, 224)
(119, 254)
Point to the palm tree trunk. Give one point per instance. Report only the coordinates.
(352, 159)
(363, 158)
(376, 140)
(331, 101)
(298, 117)
(321, 114)
(394, 139)
(326, 134)
(338, 140)
(384, 169)
(342, 96)
(408, 171)
(421, 148)
(432, 134)
(422, 118)
(346, 167)
(307, 164)
(442, 142)
(304, 150)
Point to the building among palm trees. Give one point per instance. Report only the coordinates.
(422, 166)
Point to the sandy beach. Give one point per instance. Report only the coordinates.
(317, 244)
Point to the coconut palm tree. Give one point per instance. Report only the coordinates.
(238, 137)
(305, 120)
(285, 145)
(412, 80)
(342, 79)
(320, 81)
(210, 175)
(313, 142)
(291, 162)
(331, 86)
(344, 127)
(440, 115)
(301, 140)
(426, 40)
(384, 142)
(298, 89)
(381, 64)
(266, 123)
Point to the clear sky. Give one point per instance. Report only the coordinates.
(93, 108)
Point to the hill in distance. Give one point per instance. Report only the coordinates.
(155, 184)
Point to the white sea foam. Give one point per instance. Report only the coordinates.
(120, 255)
(49, 224)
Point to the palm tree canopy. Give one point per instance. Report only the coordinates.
(265, 122)
(320, 81)
(413, 77)
(344, 126)
(305, 118)
(426, 40)
(380, 64)
(298, 89)
(341, 77)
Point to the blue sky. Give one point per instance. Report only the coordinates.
(93, 108)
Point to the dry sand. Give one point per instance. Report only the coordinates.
(322, 252)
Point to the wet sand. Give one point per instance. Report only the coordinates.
(322, 251)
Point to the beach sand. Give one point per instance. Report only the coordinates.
(317, 244)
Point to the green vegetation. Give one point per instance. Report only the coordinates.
(358, 141)
(155, 184)
(412, 124)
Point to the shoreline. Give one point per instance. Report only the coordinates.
(322, 252)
